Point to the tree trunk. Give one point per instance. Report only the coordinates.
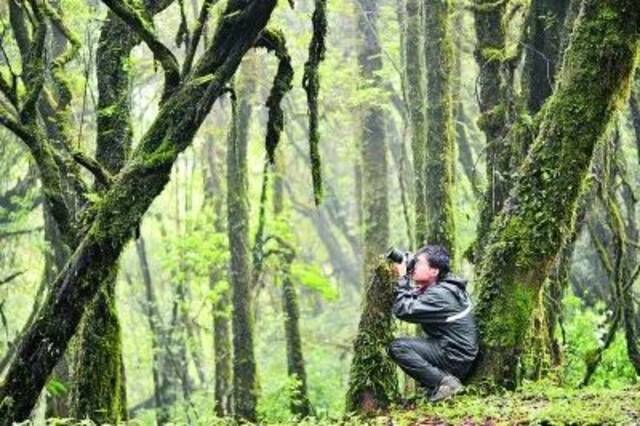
(373, 383)
(245, 385)
(96, 385)
(221, 307)
(413, 50)
(526, 236)
(375, 208)
(491, 87)
(300, 404)
(164, 376)
(543, 56)
(439, 153)
(112, 221)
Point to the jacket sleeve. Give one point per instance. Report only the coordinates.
(432, 306)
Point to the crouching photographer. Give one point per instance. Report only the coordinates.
(429, 295)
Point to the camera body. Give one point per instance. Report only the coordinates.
(399, 256)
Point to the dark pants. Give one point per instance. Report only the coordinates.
(424, 360)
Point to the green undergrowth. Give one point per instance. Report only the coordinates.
(535, 404)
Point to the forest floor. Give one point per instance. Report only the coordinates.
(535, 405)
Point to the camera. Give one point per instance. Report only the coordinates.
(398, 256)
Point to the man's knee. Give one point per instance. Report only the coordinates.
(397, 348)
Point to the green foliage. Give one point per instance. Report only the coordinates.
(584, 330)
(312, 277)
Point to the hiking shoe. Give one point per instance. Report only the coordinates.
(449, 386)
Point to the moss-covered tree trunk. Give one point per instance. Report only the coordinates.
(527, 235)
(98, 391)
(373, 383)
(245, 385)
(111, 221)
(439, 153)
(490, 54)
(373, 152)
(415, 75)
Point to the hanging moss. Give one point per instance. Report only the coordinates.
(273, 40)
(373, 383)
(311, 85)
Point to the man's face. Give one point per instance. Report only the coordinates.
(423, 273)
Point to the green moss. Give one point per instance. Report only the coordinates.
(525, 238)
(373, 383)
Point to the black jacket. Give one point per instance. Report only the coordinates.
(444, 311)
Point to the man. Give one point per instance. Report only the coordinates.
(440, 303)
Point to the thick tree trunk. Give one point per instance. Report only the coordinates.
(439, 153)
(415, 74)
(245, 385)
(373, 383)
(525, 238)
(122, 206)
(375, 202)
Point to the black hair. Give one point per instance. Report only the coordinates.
(438, 257)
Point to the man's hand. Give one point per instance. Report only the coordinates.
(401, 268)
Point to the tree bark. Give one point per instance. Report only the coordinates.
(491, 84)
(373, 383)
(245, 385)
(113, 220)
(299, 403)
(375, 202)
(439, 153)
(415, 74)
(525, 237)
(543, 52)
(221, 308)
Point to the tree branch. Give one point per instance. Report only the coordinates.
(11, 277)
(274, 41)
(100, 173)
(161, 53)
(197, 34)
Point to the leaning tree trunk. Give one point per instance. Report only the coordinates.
(373, 383)
(375, 208)
(439, 153)
(526, 236)
(112, 221)
(245, 386)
